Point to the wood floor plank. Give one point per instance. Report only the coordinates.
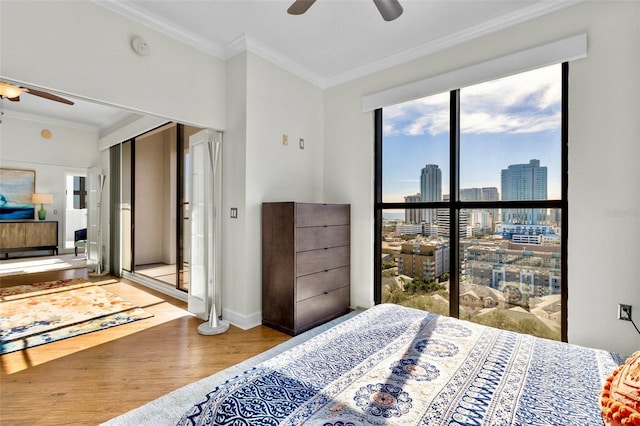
(91, 378)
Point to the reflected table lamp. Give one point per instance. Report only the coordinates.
(42, 199)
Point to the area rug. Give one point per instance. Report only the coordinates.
(40, 313)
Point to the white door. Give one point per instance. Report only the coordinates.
(94, 218)
(204, 203)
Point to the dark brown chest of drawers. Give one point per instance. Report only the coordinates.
(305, 264)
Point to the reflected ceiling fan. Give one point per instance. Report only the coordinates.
(13, 92)
(389, 9)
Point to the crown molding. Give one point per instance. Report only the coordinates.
(248, 44)
(470, 33)
(243, 43)
(49, 120)
(163, 26)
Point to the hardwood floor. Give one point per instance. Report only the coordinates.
(85, 380)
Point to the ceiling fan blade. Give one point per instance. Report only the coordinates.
(300, 6)
(389, 9)
(49, 96)
(14, 99)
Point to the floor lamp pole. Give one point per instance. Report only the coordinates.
(214, 325)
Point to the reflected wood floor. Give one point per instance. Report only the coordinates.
(88, 379)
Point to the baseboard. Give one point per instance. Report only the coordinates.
(244, 322)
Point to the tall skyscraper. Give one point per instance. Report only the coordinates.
(430, 189)
(412, 215)
(524, 182)
(444, 222)
(490, 194)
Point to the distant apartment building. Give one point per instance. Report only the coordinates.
(429, 229)
(412, 215)
(519, 271)
(524, 182)
(423, 261)
(529, 234)
(409, 228)
(430, 190)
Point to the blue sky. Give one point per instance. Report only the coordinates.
(507, 121)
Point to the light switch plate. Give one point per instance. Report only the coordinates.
(234, 212)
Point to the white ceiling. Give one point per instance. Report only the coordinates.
(333, 42)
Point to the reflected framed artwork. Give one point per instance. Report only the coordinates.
(16, 188)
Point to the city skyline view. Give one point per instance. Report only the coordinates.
(503, 122)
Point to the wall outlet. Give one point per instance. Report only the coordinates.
(624, 312)
(234, 212)
(285, 139)
(301, 143)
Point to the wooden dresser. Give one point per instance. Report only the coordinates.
(305, 264)
(28, 235)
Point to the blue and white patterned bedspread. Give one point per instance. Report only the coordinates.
(400, 366)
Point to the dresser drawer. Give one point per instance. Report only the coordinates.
(321, 282)
(318, 308)
(322, 214)
(309, 262)
(320, 237)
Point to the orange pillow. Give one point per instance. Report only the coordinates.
(620, 397)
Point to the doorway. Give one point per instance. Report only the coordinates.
(155, 207)
(75, 206)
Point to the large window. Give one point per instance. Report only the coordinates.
(471, 203)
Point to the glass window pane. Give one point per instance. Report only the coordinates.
(510, 275)
(415, 151)
(415, 261)
(512, 127)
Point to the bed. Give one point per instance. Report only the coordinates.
(396, 365)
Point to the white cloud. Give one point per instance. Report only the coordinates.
(523, 103)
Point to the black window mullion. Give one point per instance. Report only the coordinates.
(454, 178)
(564, 237)
(377, 248)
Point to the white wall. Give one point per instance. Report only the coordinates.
(265, 102)
(604, 177)
(68, 150)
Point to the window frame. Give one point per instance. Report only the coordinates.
(455, 205)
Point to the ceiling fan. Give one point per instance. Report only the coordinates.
(13, 92)
(389, 9)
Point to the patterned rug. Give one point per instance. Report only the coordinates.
(35, 314)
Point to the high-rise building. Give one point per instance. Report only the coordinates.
(430, 190)
(470, 194)
(524, 182)
(444, 222)
(481, 194)
(490, 194)
(412, 215)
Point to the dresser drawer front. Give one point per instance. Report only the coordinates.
(320, 237)
(322, 214)
(322, 282)
(310, 262)
(317, 308)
